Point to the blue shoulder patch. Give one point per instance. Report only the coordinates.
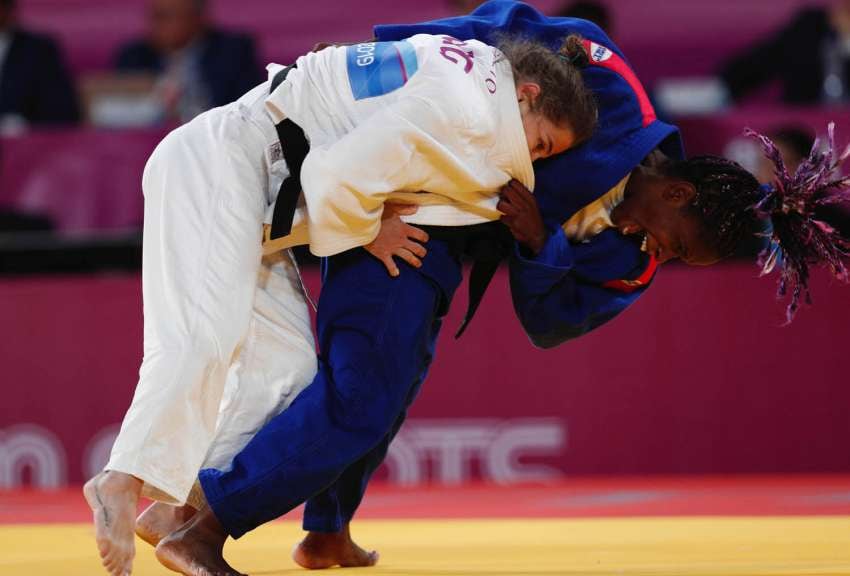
(378, 68)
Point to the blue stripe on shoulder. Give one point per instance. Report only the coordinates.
(378, 68)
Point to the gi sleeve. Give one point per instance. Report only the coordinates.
(346, 183)
(553, 303)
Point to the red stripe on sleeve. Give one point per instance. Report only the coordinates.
(601, 56)
(641, 281)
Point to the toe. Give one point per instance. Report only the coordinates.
(110, 559)
(103, 549)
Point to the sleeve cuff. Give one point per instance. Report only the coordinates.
(557, 255)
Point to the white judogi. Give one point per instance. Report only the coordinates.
(215, 310)
(453, 129)
(221, 321)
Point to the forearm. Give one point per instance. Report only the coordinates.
(553, 303)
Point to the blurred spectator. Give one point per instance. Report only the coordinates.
(794, 144)
(197, 66)
(596, 12)
(810, 56)
(35, 87)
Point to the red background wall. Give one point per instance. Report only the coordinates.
(698, 377)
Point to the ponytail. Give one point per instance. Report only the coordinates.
(799, 238)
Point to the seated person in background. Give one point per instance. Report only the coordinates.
(810, 56)
(35, 87)
(198, 67)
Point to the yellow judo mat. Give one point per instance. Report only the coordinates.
(704, 546)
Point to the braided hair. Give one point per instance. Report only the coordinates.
(799, 238)
(730, 203)
(725, 195)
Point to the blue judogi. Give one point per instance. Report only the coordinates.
(326, 445)
(377, 336)
(559, 294)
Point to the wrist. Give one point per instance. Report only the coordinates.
(532, 247)
(538, 242)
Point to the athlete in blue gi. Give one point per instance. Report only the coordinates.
(588, 242)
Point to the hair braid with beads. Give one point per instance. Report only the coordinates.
(799, 238)
(730, 202)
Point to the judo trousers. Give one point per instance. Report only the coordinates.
(333, 508)
(376, 336)
(227, 336)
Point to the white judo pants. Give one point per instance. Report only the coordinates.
(227, 336)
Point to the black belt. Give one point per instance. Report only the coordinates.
(295, 147)
(486, 245)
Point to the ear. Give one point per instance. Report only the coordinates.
(679, 193)
(528, 91)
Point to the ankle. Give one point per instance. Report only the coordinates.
(323, 538)
(207, 525)
(112, 482)
(185, 513)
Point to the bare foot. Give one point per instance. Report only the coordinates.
(160, 519)
(113, 497)
(196, 548)
(325, 550)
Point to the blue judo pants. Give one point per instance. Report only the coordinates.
(376, 336)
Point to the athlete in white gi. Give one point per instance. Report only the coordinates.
(227, 331)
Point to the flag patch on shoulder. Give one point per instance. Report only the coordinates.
(378, 68)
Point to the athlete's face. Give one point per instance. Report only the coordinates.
(655, 208)
(544, 138)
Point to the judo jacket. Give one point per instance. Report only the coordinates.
(571, 288)
(386, 121)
